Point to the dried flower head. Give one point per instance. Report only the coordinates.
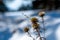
(26, 29)
(35, 26)
(34, 20)
(41, 14)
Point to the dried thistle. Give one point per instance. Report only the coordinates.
(34, 20)
(35, 26)
(26, 29)
(41, 14)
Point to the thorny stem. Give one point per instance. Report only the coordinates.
(43, 25)
(30, 35)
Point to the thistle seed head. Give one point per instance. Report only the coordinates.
(26, 29)
(41, 14)
(35, 26)
(34, 20)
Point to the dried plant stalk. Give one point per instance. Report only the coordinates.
(30, 35)
(43, 25)
(35, 25)
(37, 30)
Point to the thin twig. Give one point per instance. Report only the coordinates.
(25, 15)
(38, 34)
(30, 35)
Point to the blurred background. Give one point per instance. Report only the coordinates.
(13, 19)
(19, 5)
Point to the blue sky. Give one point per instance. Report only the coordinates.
(17, 21)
